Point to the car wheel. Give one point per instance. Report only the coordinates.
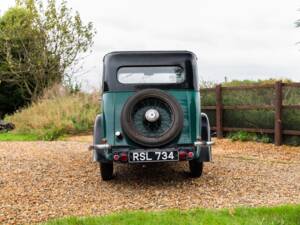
(196, 168)
(106, 170)
(152, 118)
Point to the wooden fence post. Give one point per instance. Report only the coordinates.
(219, 111)
(278, 113)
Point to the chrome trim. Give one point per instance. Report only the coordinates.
(99, 147)
(203, 143)
(152, 115)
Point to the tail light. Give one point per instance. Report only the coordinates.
(116, 157)
(182, 155)
(190, 155)
(124, 157)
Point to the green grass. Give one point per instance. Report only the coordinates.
(18, 137)
(283, 215)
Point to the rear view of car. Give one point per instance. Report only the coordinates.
(151, 112)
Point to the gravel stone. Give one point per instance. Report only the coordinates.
(44, 180)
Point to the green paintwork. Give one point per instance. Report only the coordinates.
(113, 102)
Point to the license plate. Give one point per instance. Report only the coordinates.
(153, 156)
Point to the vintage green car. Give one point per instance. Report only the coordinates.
(151, 111)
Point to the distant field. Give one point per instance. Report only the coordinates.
(288, 215)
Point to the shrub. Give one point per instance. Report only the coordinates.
(246, 136)
(291, 140)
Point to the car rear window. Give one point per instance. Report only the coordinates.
(151, 75)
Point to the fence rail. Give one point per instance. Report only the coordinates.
(278, 106)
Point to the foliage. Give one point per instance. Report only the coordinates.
(15, 32)
(291, 140)
(40, 45)
(247, 136)
(26, 62)
(66, 36)
(207, 84)
(10, 98)
(288, 215)
(234, 83)
(55, 115)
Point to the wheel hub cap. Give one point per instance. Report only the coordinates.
(152, 115)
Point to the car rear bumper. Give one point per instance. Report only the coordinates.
(200, 151)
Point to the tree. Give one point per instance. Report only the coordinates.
(40, 45)
(16, 37)
(66, 37)
(23, 54)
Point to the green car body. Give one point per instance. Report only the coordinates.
(110, 139)
(188, 99)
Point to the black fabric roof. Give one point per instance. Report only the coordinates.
(115, 60)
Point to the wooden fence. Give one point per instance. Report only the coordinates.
(278, 106)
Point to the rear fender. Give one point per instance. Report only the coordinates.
(99, 155)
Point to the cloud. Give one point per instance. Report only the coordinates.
(238, 39)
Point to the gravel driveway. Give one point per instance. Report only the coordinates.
(43, 180)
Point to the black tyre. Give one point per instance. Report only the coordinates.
(106, 170)
(196, 168)
(152, 133)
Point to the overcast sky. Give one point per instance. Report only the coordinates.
(251, 39)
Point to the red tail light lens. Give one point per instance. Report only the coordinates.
(182, 155)
(124, 157)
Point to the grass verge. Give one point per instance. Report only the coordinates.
(52, 118)
(18, 137)
(287, 215)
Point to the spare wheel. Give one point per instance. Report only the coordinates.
(152, 118)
